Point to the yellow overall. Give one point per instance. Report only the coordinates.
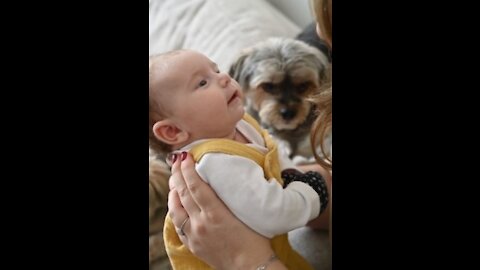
(180, 257)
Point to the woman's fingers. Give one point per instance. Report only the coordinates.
(177, 183)
(203, 195)
(178, 215)
(175, 209)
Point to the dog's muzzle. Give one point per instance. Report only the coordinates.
(287, 113)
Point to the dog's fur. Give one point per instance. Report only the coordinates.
(309, 35)
(277, 77)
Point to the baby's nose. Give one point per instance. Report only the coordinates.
(224, 79)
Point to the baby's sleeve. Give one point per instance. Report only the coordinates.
(264, 205)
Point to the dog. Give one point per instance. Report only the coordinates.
(309, 35)
(278, 76)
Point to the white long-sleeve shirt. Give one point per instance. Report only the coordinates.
(263, 205)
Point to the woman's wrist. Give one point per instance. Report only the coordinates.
(276, 265)
(253, 259)
(270, 260)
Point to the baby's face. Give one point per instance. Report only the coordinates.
(199, 98)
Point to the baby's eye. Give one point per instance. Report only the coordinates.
(202, 83)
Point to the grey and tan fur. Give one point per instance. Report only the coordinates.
(277, 77)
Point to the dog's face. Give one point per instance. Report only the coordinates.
(277, 77)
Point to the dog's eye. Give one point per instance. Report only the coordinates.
(303, 87)
(268, 87)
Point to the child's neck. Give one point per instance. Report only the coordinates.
(235, 136)
(238, 136)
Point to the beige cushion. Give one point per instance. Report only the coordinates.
(217, 28)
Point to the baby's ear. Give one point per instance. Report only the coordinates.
(167, 132)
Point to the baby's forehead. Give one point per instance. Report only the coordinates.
(189, 56)
(176, 67)
(183, 61)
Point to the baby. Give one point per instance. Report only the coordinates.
(194, 107)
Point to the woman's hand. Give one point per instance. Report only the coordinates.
(212, 232)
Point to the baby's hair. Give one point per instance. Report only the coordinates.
(156, 112)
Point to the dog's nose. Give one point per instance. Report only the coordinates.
(288, 114)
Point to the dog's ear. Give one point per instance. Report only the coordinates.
(322, 64)
(167, 132)
(239, 70)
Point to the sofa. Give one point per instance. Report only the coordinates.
(220, 29)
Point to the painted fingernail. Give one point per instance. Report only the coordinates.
(171, 158)
(183, 156)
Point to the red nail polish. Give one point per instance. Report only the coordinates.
(183, 156)
(171, 158)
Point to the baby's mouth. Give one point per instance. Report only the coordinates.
(235, 94)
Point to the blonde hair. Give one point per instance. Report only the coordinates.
(323, 123)
(323, 16)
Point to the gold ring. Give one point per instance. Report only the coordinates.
(182, 233)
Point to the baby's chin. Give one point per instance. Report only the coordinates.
(241, 113)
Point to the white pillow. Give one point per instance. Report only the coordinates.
(217, 28)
